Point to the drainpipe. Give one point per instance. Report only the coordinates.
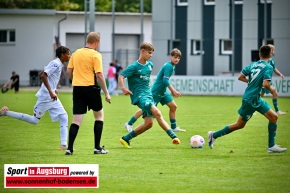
(58, 29)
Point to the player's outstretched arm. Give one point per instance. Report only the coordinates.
(279, 73)
(122, 85)
(101, 80)
(174, 92)
(43, 77)
(243, 78)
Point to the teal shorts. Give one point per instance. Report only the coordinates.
(247, 109)
(145, 103)
(163, 99)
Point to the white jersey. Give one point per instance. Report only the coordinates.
(53, 71)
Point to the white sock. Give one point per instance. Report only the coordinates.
(63, 119)
(22, 117)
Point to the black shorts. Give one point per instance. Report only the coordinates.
(16, 87)
(86, 98)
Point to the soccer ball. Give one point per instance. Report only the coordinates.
(196, 141)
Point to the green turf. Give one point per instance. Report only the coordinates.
(238, 163)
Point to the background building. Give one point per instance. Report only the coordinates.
(28, 38)
(221, 32)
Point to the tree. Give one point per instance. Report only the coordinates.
(77, 5)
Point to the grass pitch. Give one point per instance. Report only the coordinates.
(238, 163)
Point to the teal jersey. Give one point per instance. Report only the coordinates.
(272, 63)
(257, 72)
(159, 86)
(138, 76)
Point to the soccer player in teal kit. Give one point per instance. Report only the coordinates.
(138, 76)
(275, 93)
(160, 95)
(259, 75)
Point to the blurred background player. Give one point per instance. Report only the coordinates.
(13, 82)
(275, 93)
(119, 68)
(259, 75)
(160, 95)
(138, 76)
(47, 97)
(112, 78)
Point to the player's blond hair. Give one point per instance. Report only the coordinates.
(271, 46)
(93, 37)
(175, 52)
(147, 46)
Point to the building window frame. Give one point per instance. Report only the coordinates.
(7, 36)
(226, 47)
(267, 1)
(182, 2)
(239, 2)
(209, 2)
(268, 41)
(195, 47)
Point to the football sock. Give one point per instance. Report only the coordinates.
(226, 130)
(98, 129)
(171, 134)
(173, 123)
(23, 117)
(272, 127)
(132, 120)
(63, 119)
(73, 131)
(275, 104)
(130, 135)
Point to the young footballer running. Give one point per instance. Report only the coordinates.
(138, 76)
(259, 75)
(274, 94)
(160, 95)
(47, 97)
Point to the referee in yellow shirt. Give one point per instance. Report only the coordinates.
(85, 69)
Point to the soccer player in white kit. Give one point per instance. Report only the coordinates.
(47, 97)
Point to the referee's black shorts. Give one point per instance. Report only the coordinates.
(86, 98)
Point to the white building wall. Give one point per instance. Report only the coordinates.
(193, 32)
(161, 32)
(250, 30)
(33, 48)
(281, 33)
(222, 31)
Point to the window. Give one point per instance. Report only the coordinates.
(238, 2)
(209, 2)
(226, 47)
(175, 44)
(7, 36)
(267, 1)
(195, 47)
(268, 41)
(182, 3)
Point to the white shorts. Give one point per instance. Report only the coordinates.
(54, 108)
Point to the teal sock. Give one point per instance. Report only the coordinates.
(130, 136)
(226, 130)
(132, 120)
(272, 127)
(275, 103)
(173, 123)
(171, 134)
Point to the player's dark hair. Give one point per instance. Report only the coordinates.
(265, 51)
(61, 50)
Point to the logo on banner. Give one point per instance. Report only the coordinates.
(51, 175)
